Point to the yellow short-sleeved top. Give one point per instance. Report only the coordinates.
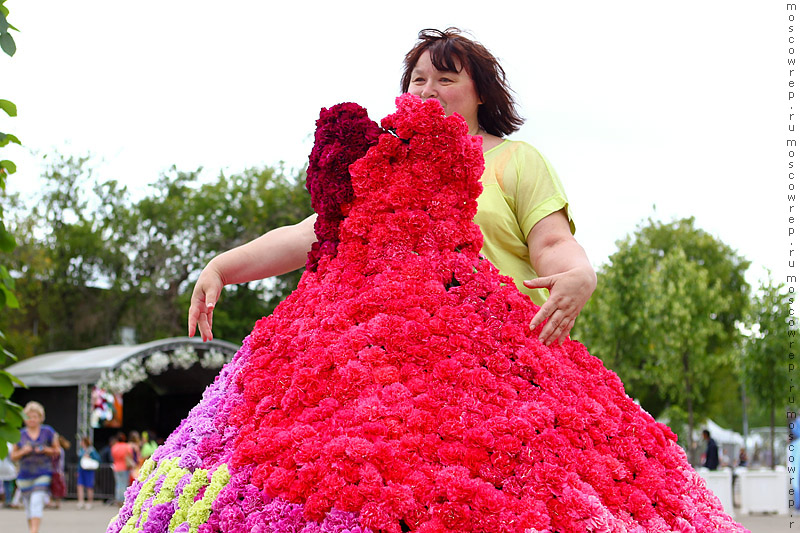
(519, 189)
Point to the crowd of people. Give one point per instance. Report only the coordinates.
(126, 454)
(35, 476)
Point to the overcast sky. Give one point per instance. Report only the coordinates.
(662, 109)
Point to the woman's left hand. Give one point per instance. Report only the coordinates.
(569, 292)
(564, 270)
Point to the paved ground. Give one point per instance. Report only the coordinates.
(770, 523)
(69, 519)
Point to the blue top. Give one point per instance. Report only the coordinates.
(35, 468)
(91, 452)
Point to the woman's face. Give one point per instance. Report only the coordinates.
(454, 90)
(33, 419)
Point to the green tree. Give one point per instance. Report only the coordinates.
(614, 323)
(10, 412)
(721, 262)
(183, 224)
(70, 268)
(765, 358)
(682, 322)
(22, 327)
(662, 333)
(90, 259)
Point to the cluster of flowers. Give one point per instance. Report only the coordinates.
(122, 378)
(344, 134)
(168, 497)
(400, 386)
(103, 410)
(125, 377)
(213, 359)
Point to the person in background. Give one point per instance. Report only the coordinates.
(794, 457)
(105, 452)
(711, 457)
(85, 476)
(37, 447)
(8, 473)
(135, 442)
(106, 459)
(122, 457)
(58, 485)
(149, 444)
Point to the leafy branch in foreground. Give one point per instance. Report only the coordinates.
(10, 412)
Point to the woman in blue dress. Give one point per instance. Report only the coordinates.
(37, 447)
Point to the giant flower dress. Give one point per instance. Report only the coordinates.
(399, 388)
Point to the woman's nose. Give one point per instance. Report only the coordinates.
(428, 91)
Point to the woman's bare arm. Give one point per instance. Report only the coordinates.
(276, 252)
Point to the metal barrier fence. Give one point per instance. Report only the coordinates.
(103, 481)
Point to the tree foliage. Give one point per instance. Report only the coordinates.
(682, 324)
(91, 260)
(7, 43)
(182, 226)
(665, 314)
(765, 358)
(10, 413)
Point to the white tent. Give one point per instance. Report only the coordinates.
(722, 435)
(55, 375)
(84, 367)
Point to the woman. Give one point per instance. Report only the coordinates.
(35, 451)
(122, 456)
(8, 473)
(86, 476)
(528, 237)
(135, 442)
(400, 387)
(149, 444)
(58, 485)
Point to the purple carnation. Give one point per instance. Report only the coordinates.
(158, 518)
(126, 511)
(189, 460)
(185, 480)
(340, 521)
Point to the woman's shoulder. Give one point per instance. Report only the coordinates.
(514, 154)
(514, 146)
(525, 148)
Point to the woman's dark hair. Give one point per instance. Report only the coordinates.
(449, 49)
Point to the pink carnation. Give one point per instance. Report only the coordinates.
(400, 387)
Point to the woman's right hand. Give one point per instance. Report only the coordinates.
(278, 251)
(204, 298)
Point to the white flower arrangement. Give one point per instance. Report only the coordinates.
(213, 358)
(135, 370)
(117, 381)
(156, 363)
(184, 357)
